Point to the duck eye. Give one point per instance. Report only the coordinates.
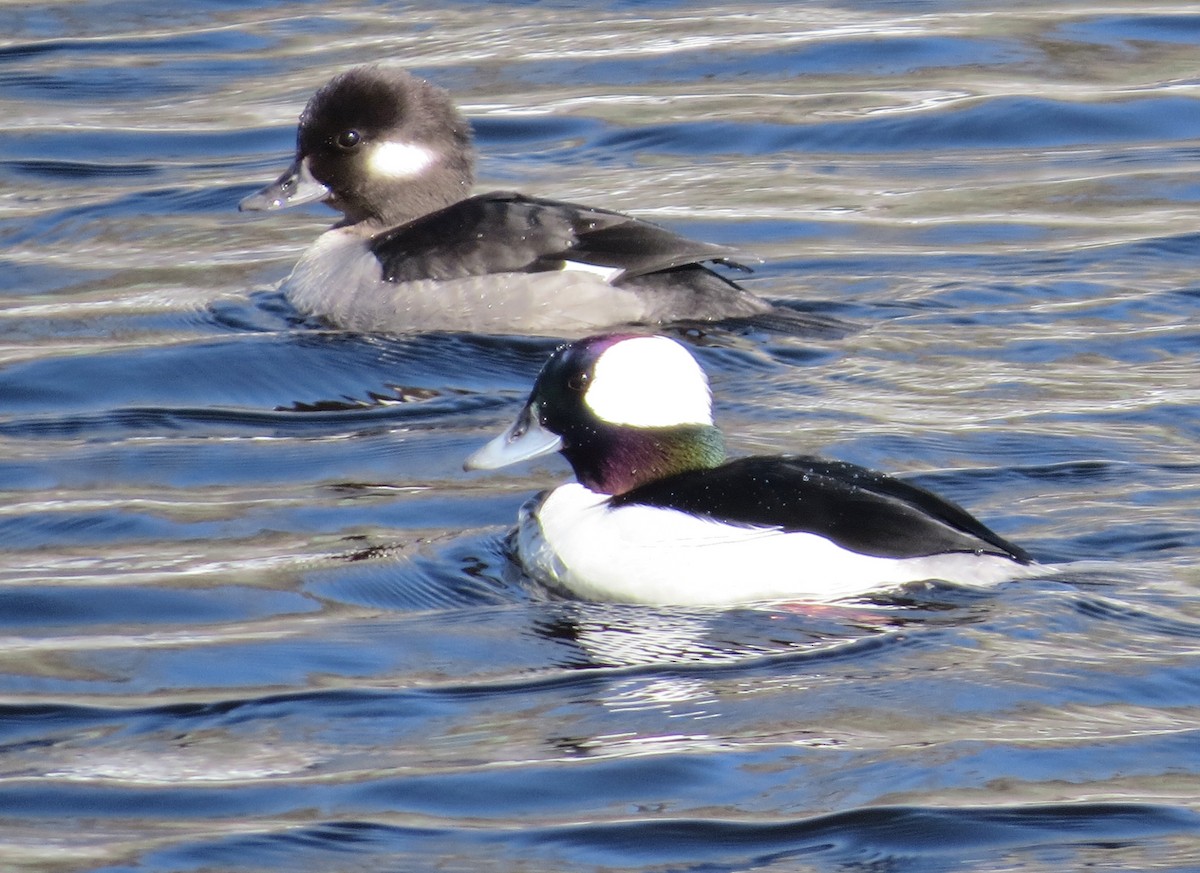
(347, 140)
(578, 382)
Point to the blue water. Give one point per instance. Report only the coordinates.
(254, 616)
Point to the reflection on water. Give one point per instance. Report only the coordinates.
(254, 616)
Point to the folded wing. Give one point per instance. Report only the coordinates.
(859, 509)
(507, 232)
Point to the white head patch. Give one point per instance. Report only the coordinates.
(399, 160)
(649, 381)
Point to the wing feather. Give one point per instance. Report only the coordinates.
(507, 232)
(859, 509)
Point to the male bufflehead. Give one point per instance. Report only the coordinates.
(658, 516)
(415, 251)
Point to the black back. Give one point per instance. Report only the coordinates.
(507, 232)
(859, 509)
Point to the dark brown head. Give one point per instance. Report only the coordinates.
(379, 145)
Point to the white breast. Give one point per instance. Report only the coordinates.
(638, 554)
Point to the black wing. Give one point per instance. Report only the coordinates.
(859, 509)
(504, 232)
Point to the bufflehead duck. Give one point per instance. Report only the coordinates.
(415, 252)
(656, 515)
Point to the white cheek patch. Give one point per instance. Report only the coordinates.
(649, 381)
(399, 160)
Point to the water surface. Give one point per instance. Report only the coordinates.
(253, 615)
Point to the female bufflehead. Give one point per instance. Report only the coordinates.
(416, 252)
(658, 516)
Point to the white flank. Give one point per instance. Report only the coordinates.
(400, 160)
(649, 381)
(641, 554)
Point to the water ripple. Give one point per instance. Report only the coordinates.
(253, 614)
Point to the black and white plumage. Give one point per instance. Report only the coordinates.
(658, 516)
(416, 252)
